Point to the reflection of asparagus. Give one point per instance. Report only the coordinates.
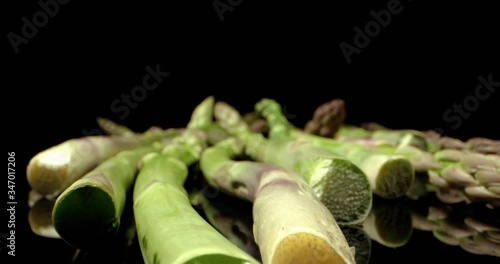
(470, 227)
(40, 218)
(51, 171)
(390, 176)
(389, 222)
(235, 225)
(358, 239)
(290, 223)
(168, 227)
(339, 184)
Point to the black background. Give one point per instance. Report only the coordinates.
(428, 58)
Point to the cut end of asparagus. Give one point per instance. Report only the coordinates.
(394, 178)
(305, 248)
(46, 172)
(85, 218)
(345, 190)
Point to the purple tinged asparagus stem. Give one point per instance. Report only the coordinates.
(309, 232)
(54, 169)
(338, 183)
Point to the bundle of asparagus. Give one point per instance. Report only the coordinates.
(311, 190)
(466, 174)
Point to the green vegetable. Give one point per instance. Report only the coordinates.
(88, 213)
(290, 222)
(340, 185)
(52, 170)
(169, 229)
(390, 176)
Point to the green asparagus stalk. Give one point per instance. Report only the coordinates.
(89, 211)
(394, 137)
(169, 229)
(112, 128)
(466, 176)
(390, 176)
(291, 225)
(476, 144)
(119, 249)
(338, 183)
(52, 170)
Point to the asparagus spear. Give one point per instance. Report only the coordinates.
(120, 249)
(113, 128)
(327, 119)
(390, 176)
(466, 176)
(169, 229)
(339, 184)
(394, 137)
(290, 222)
(52, 170)
(89, 211)
(475, 144)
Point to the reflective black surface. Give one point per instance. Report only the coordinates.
(395, 230)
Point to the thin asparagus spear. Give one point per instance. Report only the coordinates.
(472, 176)
(327, 118)
(394, 137)
(169, 229)
(52, 170)
(476, 144)
(339, 184)
(390, 176)
(89, 211)
(306, 233)
(113, 128)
